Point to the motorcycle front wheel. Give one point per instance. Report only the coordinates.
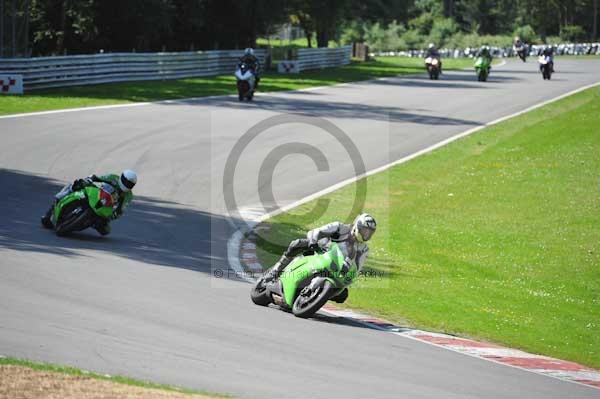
(73, 220)
(311, 300)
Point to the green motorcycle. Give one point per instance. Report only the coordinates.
(82, 208)
(308, 282)
(482, 68)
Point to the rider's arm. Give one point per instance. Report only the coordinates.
(79, 184)
(257, 65)
(327, 231)
(110, 179)
(361, 257)
(124, 201)
(94, 178)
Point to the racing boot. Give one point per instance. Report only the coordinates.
(276, 270)
(46, 219)
(341, 297)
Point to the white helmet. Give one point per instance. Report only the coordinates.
(364, 227)
(431, 46)
(127, 180)
(249, 51)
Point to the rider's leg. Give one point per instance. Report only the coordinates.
(341, 297)
(295, 248)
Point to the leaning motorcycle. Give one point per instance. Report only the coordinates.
(545, 66)
(83, 208)
(482, 68)
(246, 81)
(433, 67)
(308, 282)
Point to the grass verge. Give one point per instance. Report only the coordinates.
(120, 93)
(494, 236)
(57, 380)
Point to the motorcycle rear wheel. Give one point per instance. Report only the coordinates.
(308, 303)
(259, 293)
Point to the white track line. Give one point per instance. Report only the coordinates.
(416, 154)
(103, 107)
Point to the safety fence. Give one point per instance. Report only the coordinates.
(62, 71)
(315, 58)
(559, 49)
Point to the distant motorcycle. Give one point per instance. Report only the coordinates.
(482, 68)
(246, 81)
(545, 66)
(433, 67)
(521, 52)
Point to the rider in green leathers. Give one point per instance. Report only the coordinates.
(123, 183)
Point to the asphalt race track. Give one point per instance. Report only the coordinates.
(143, 301)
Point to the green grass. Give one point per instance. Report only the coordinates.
(300, 42)
(117, 378)
(495, 236)
(120, 93)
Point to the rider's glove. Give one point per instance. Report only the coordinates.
(312, 239)
(79, 184)
(347, 265)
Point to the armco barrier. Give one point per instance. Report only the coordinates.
(316, 58)
(47, 72)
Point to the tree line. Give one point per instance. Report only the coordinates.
(46, 27)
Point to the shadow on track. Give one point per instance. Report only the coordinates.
(151, 231)
(336, 109)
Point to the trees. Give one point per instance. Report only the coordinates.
(84, 26)
(595, 20)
